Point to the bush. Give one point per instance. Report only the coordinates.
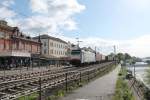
(147, 94)
(122, 90)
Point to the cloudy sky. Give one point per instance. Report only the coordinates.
(100, 23)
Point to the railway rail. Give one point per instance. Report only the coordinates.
(10, 78)
(32, 74)
(24, 85)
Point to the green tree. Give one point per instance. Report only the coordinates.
(148, 76)
(120, 56)
(148, 61)
(127, 56)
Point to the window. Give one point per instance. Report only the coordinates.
(51, 44)
(44, 43)
(51, 51)
(75, 52)
(45, 51)
(2, 35)
(1, 46)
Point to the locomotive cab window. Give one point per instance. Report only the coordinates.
(75, 52)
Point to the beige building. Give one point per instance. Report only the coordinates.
(53, 47)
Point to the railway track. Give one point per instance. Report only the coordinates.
(32, 74)
(9, 78)
(24, 85)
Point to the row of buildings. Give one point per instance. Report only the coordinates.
(18, 49)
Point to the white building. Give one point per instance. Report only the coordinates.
(53, 47)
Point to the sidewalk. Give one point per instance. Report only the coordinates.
(102, 88)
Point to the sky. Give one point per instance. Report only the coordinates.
(98, 23)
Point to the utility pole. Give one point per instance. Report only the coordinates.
(115, 55)
(80, 77)
(134, 76)
(66, 81)
(95, 51)
(95, 48)
(88, 76)
(39, 40)
(40, 89)
(4, 71)
(78, 42)
(114, 49)
(134, 70)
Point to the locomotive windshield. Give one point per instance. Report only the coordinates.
(75, 52)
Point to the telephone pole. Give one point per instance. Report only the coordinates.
(95, 51)
(115, 55)
(40, 89)
(78, 42)
(114, 49)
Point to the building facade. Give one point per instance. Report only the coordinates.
(53, 47)
(16, 49)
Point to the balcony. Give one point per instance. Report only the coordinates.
(15, 53)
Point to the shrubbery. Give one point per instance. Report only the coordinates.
(122, 90)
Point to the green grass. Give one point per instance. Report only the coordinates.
(29, 97)
(148, 76)
(147, 79)
(122, 90)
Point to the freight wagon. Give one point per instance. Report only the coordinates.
(98, 57)
(84, 56)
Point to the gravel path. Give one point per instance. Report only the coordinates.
(100, 89)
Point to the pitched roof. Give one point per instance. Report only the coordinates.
(45, 36)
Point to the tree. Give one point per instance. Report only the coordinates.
(148, 61)
(148, 76)
(127, 56)
(120, 57)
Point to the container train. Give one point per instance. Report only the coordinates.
(85, 56)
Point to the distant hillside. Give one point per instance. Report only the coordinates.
(146, 58)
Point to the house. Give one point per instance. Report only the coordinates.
(16, 48)
(53, 48)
